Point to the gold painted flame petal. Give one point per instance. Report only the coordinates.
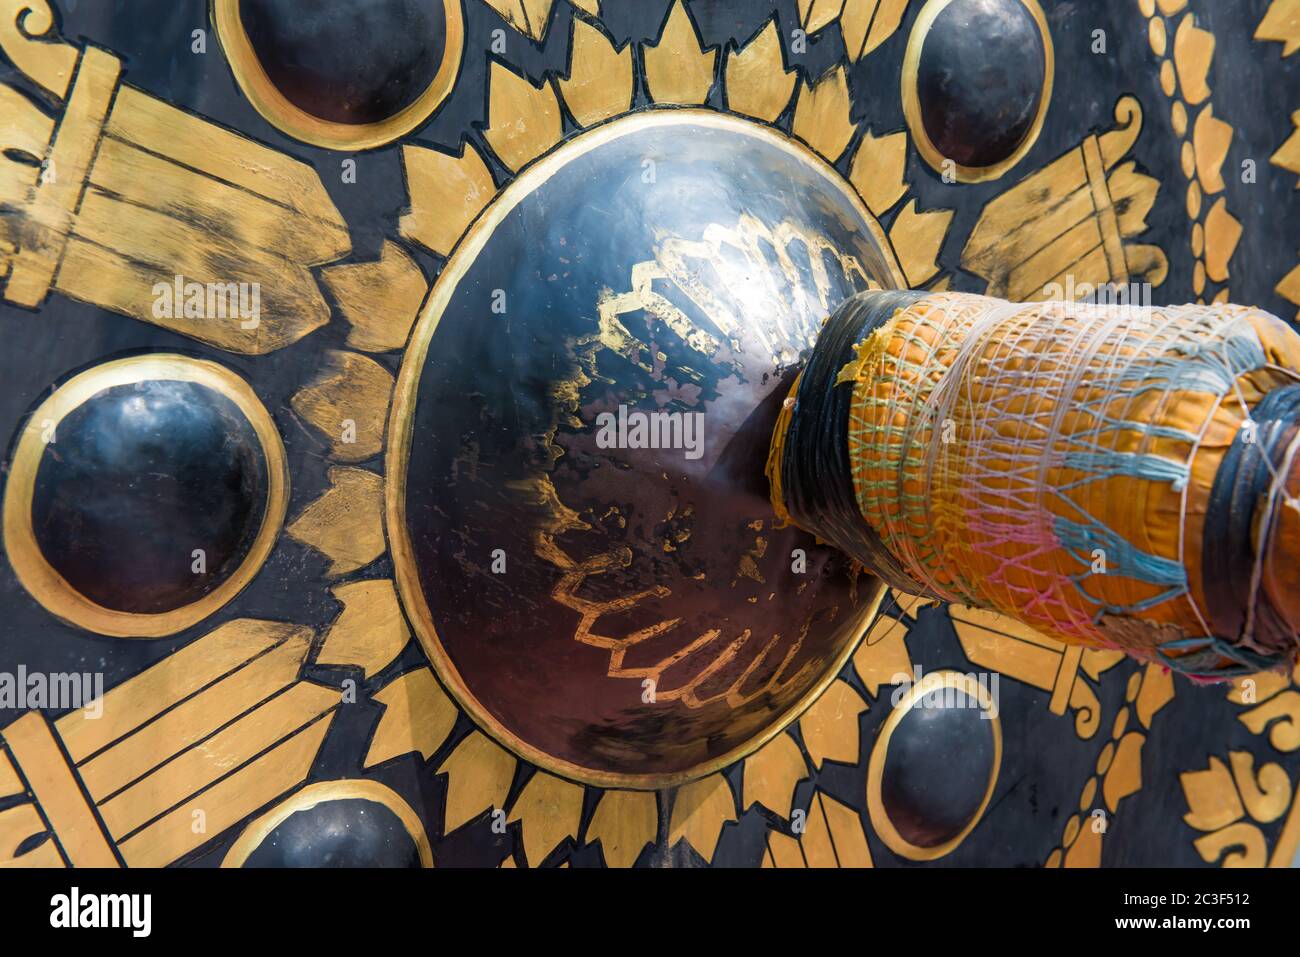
(758, 83)
(347, 404)
(830, 727)
(418, 716)
(346, 523)
(772, 774)
(821, 117)
(550, 811)
(371, 630)
(478, 773)
(678, 69)
(523, 119)
(600, 83)
(624, 823)
(917, 238)
(700, 811)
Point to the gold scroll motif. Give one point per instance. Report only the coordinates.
(1068, 223)
(179, 753)
(130, 194)
(1001, 644)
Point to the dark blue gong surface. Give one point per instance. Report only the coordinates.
(673, 263)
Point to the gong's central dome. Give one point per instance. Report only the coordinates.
(577, 501)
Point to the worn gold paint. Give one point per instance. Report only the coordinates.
(623, 824)
(1281, 24)
(1193, 54)
(550, 811)
(883, 657)
(821, 114)
(370, 632)
(418, 716)
(1211, 138)
(700, 811)
(1280, 716)
(878, 169)
(1050, 225)
(196, 718)
(32, 744)
(380, 300)
(830, 726)
(523, 119)
(216, 756)
(346, 402)
(1238, 845)
(600, 77)
(678, 69)
(132, 206)
(917, 238)
(45, 584)
(1125, 774)
(228, 801)
(758, 82)
(19, 824)
(479, 774)
(532, 17)
(345, 524)
(1222, 234)
(771, 775)
(447, 191)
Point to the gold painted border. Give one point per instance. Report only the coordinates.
(314, 794)
(281, 113)
(912, 103)
(876, 767)
(397, 456)
(46, 585)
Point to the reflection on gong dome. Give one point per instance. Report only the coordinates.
(694, 290)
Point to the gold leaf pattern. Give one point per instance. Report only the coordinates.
(878, 169)
(1125, 774)
(1212, 800)
(347, 403)
(1193, 54)
(600, 83)
(346, 523)
(523, 119)
(1282, 24)
(479, 773)
(1211, 138)
(380, 300)
(817, 14)
(866, 24)
(1241, 845)
(830, 726)
(917, 238)
(418, 716)
(624, 823)
(1222, 233)
(821, 116)
(550, 810)
(1281, 717)
(370, 632)
(1288, 155)
(678, 69)
(758, 83)
(529, 17)
(447, 192)
(883, 655)
(700, 811)
(772, 774)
